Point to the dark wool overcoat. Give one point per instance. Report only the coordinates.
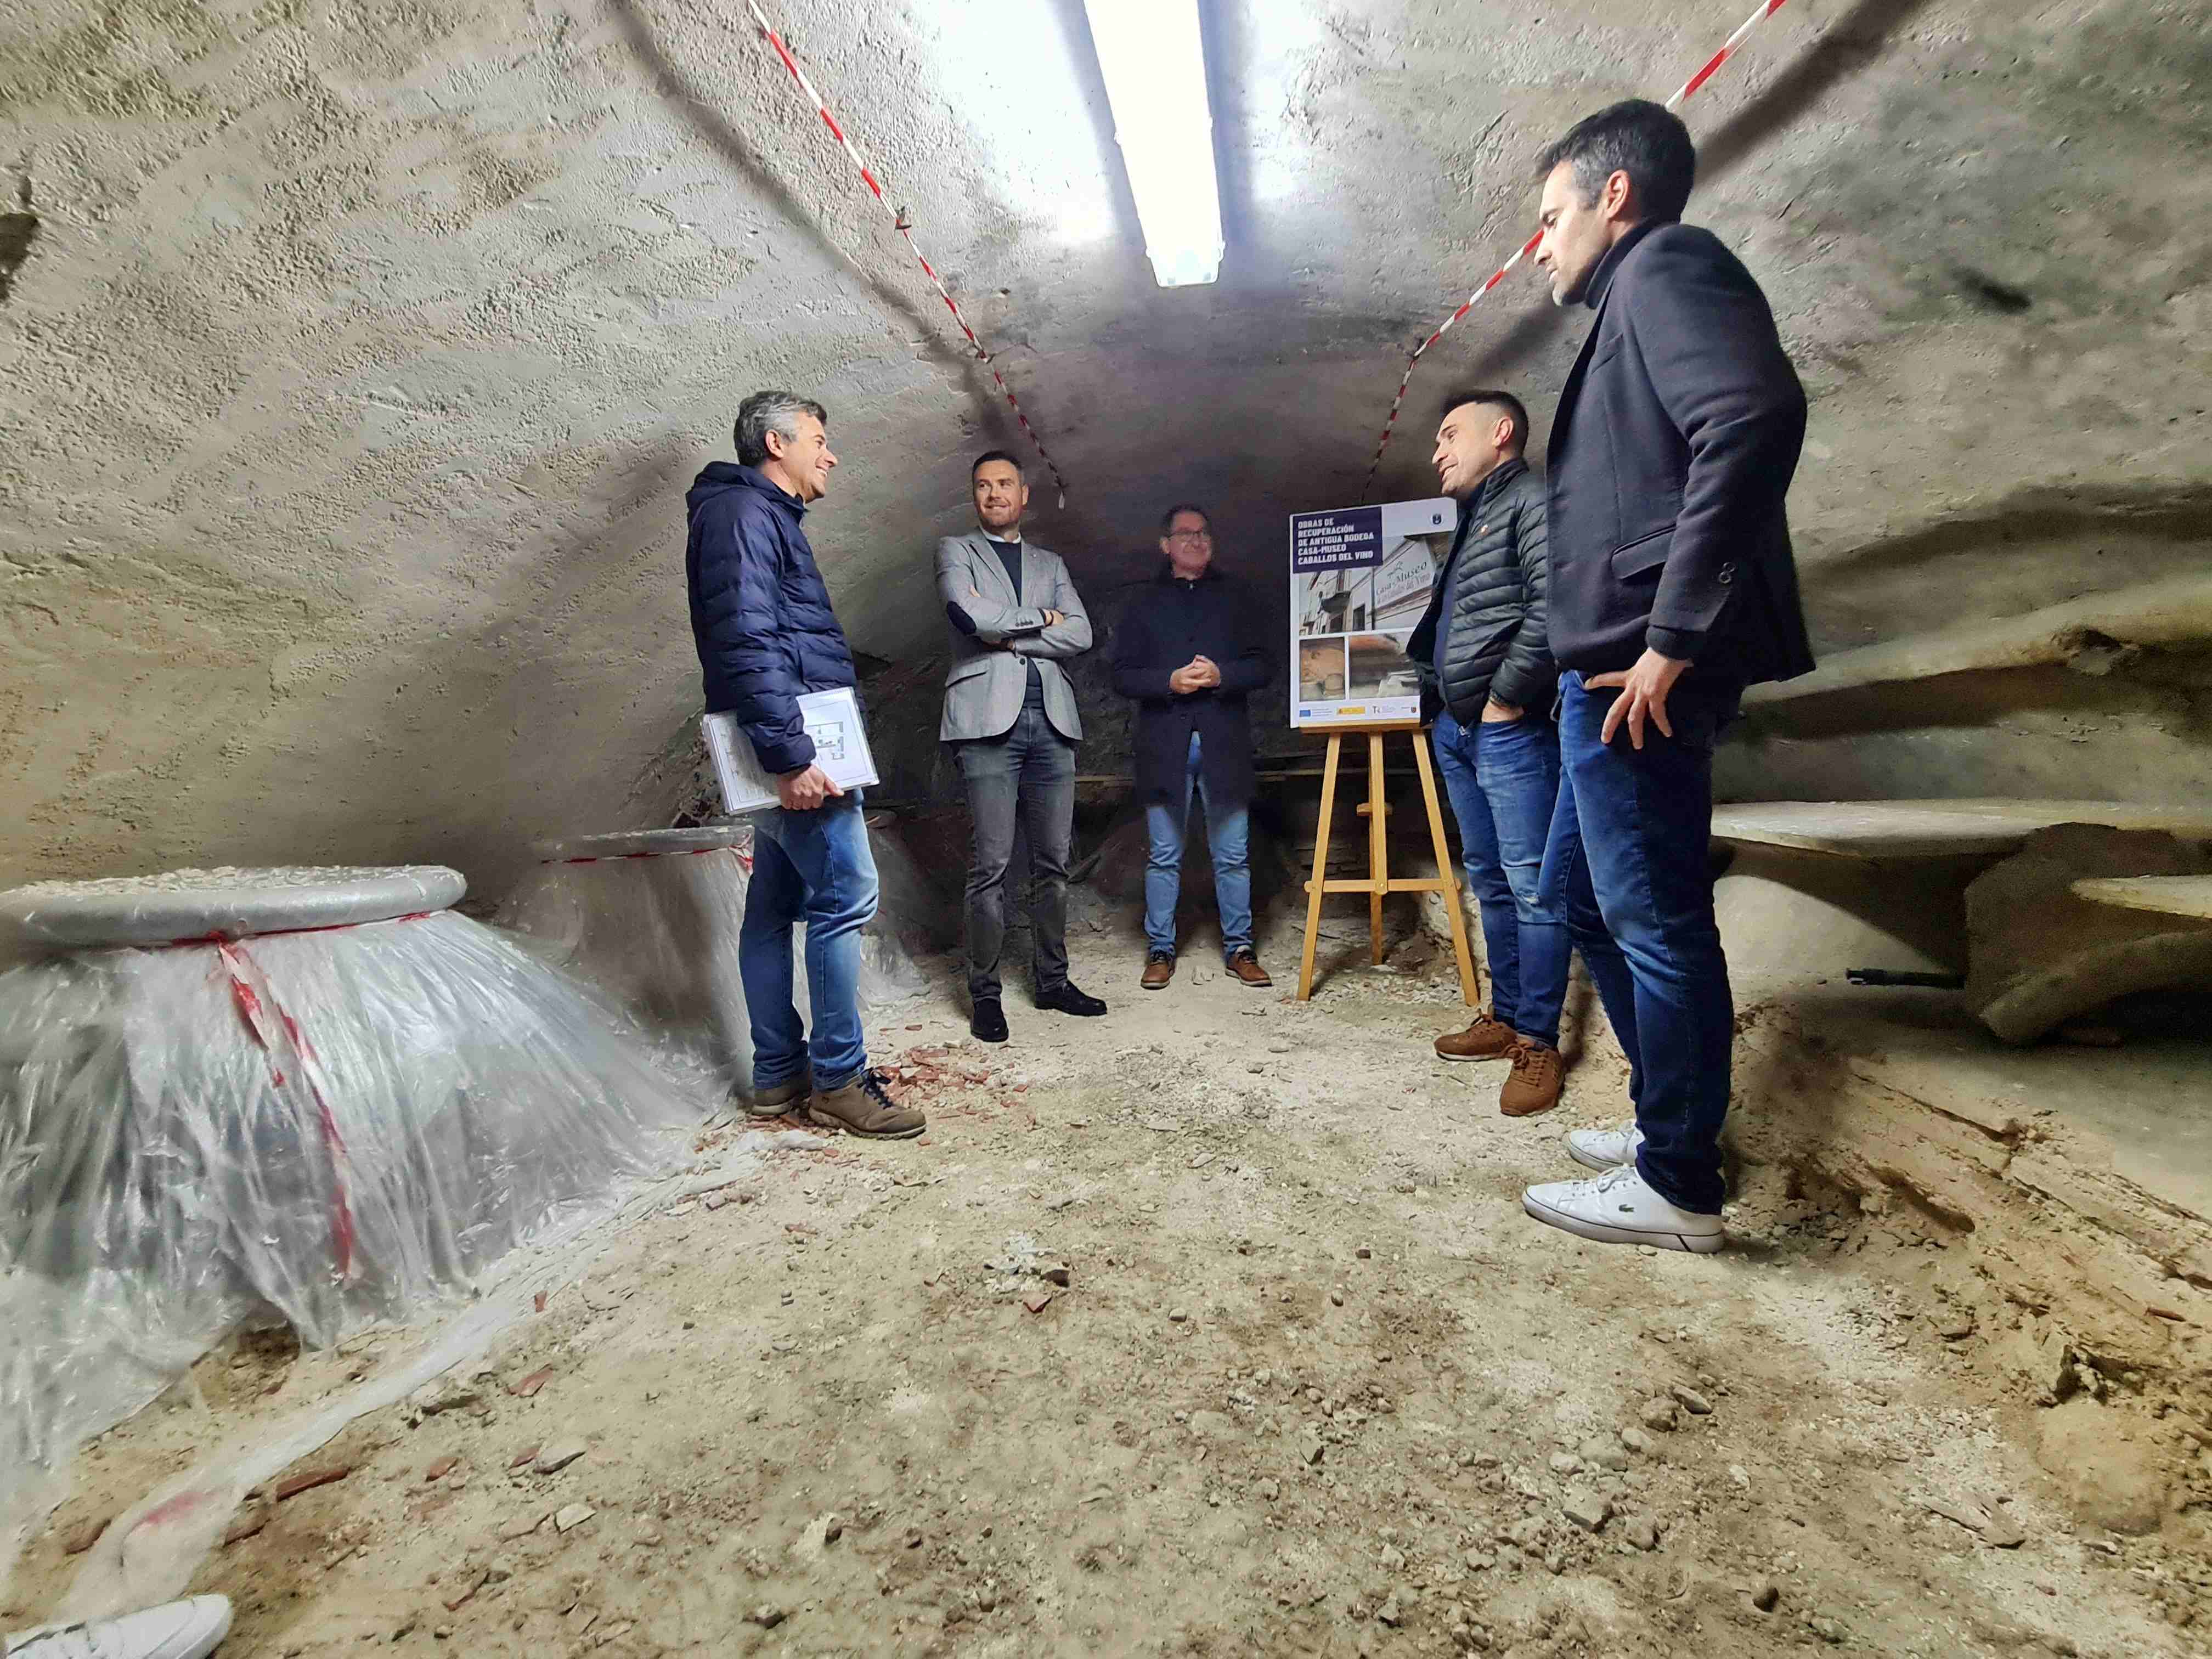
(1167, 623)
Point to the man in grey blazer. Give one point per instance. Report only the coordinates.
(1009, 715)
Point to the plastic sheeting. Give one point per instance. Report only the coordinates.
(149, 1553)
(330, 1128)
(653, 916)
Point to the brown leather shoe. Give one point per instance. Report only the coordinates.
(1485, 1039)
(865, 1109)
(1159, 969)
(1246, 967)
(1534, 1087)
(780, 1099)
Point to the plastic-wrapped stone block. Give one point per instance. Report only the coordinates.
(342, 1121)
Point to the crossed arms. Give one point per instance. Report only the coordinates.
(1061, 629)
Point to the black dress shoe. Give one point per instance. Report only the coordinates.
(1067, 1000)
(989, 1023)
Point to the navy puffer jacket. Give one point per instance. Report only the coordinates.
(760, 611)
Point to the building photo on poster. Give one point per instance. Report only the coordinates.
(1360, 578)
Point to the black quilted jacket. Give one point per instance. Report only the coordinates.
(1494, 581)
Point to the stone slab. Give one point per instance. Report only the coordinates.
(2173, 895)
(627, 843)
(2087, 633)
(1936, 829)
(2039, 954)
(226, 903)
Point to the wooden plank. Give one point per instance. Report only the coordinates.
(2173, 895)
(1378, 847)
(1393, 884)
(1318, 885)
(1447, 875)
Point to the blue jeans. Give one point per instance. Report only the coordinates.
(813, 868)
(1628, 856)
(1503, 777)
(1228, 834)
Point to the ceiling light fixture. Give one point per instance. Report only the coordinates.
(1155, 70)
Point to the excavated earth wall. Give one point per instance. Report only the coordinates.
(2044, 1260)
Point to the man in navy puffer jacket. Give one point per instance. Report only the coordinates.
(761, 619)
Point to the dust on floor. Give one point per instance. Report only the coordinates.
(1311, 1385)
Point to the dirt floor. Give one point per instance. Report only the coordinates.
(1210, 1327)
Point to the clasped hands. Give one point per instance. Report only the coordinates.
(1200, 673)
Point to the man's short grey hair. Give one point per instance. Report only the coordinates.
(771, 411)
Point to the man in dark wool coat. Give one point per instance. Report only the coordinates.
(1189, 652)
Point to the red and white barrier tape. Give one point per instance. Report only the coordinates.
(257, 1002)
(1767, 9)
(899, 223)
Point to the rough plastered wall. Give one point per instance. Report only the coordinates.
(356, 357)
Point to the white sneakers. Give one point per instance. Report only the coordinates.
(1618, 1207)
(1604, 1149)
(176, 1630)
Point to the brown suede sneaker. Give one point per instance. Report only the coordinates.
(1534, 1087)
(1159, 969)
(1484, 1039)
(862, 1108)
(1246, 967)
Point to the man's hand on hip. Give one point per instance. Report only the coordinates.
(1495, 713)
(805, 790)
(1643, 691)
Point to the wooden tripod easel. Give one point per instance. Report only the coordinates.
(1377, 882)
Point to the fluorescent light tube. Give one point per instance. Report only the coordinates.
(1155, 70)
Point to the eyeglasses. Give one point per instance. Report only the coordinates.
(1191, 536)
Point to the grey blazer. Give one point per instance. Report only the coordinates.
(990, 667)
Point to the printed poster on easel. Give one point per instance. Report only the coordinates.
(1360, 578)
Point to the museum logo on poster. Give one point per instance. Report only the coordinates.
(1360, 578)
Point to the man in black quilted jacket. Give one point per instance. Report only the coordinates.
(1487, 674)
(766, 635)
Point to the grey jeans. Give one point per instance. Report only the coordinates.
(1027, 776)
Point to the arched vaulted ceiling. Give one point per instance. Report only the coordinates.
(358, 352)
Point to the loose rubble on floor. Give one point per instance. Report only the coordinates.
(1212, 1327)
